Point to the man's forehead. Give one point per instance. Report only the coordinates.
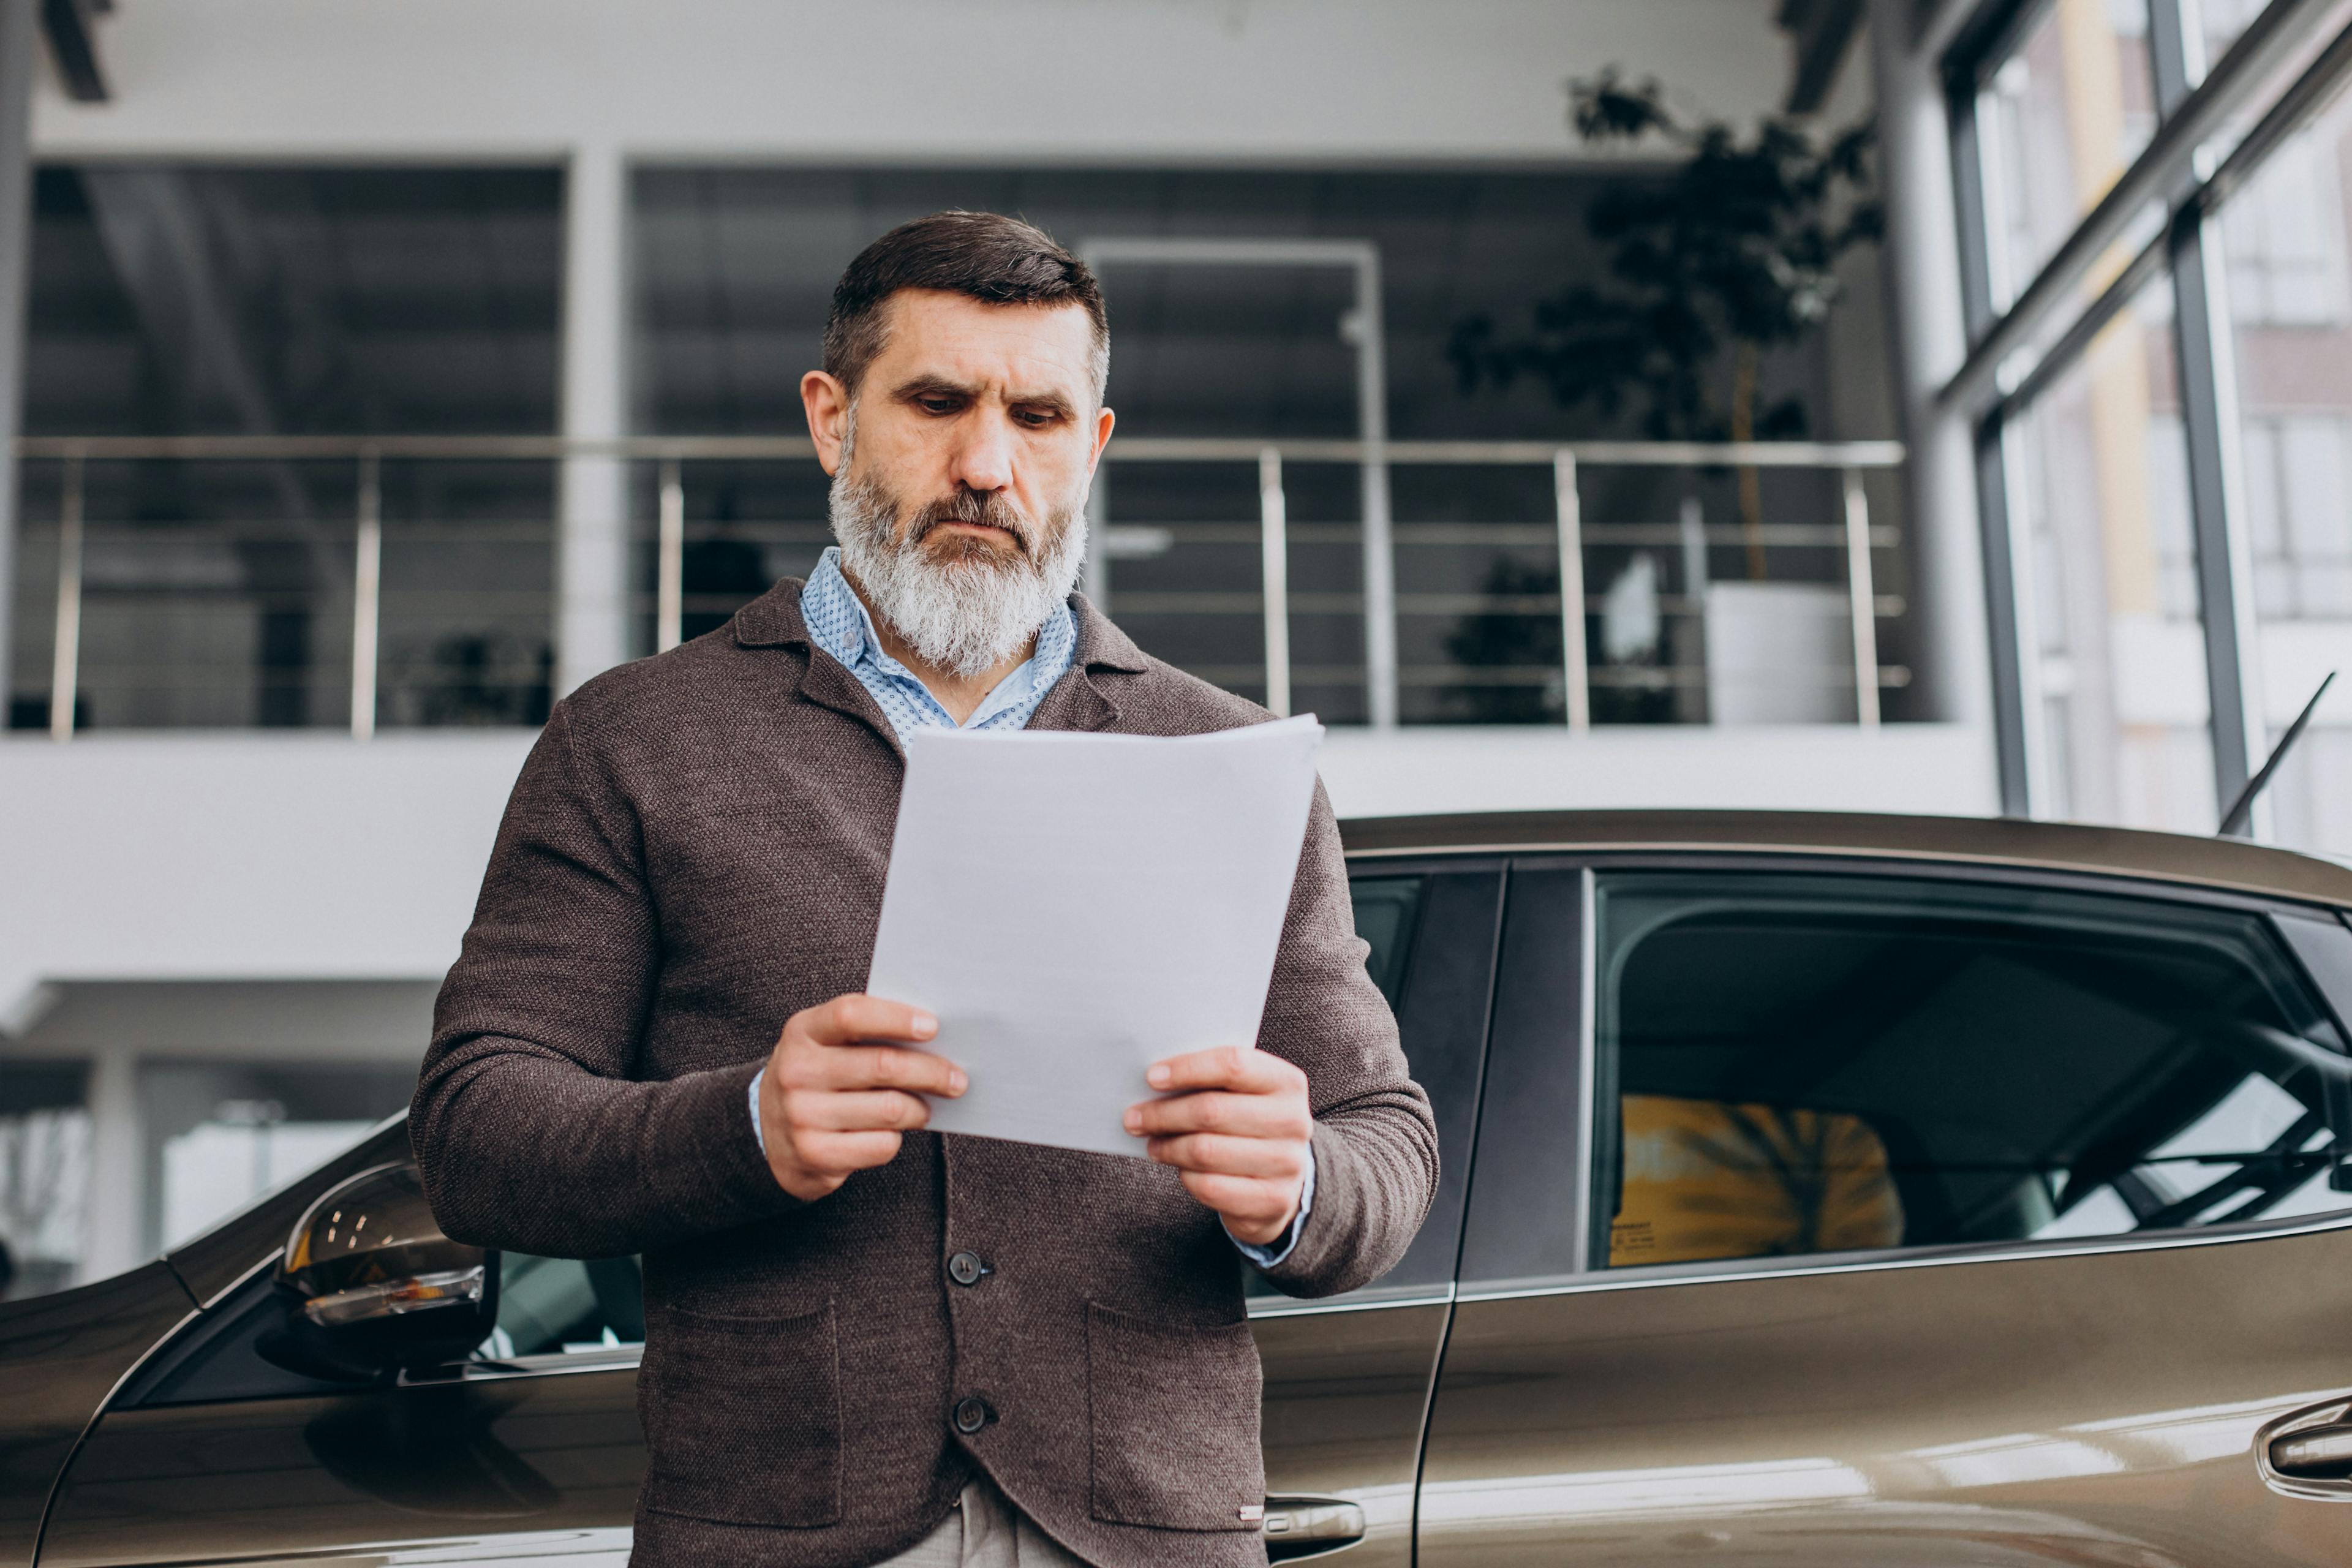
(930, 331)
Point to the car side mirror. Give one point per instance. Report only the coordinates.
(371, 1286)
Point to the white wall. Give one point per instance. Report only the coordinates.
(884, 80)
(1938, 769)
(253, 857)
(245, 856)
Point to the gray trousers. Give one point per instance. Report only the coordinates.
(984, 1532)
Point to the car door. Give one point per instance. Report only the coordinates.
(1830, 1214)
(532, 1449)
(1347, 1378)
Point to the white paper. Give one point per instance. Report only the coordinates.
(1077, 906)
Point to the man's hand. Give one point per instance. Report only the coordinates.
(1236, 1128)
(837, 1097)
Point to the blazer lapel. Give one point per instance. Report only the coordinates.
(1078, 701)
(773, 620)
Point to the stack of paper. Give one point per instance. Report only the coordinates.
(1077, 906)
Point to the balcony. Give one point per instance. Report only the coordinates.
(225, 582)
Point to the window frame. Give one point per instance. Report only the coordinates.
(1502, 1196)
(2188, 249)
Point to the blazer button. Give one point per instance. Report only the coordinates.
(966, 1268)
(972, 1413)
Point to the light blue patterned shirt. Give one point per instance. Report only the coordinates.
(838, 624)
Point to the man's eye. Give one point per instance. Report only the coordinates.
(1035, 419)
(939, 404)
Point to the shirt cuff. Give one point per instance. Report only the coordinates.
(756, 1131)
(1273, 1253)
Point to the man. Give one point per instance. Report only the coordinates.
(865, 1343)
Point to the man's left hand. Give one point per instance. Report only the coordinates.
(1236, 1127)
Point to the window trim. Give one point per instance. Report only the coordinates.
(1583, 1277)
(1650, 1276)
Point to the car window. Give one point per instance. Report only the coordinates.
(1385, 908)
(1431, 939)
(1799, 1065)
(559, 1306)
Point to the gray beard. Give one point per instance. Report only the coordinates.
(972, 611)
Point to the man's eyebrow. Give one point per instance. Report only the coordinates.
(932, 386)
(1050, 400)
(944, 386)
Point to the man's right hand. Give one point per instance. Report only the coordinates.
(838, 1094)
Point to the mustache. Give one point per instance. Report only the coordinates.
(973, 508)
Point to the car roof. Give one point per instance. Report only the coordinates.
(2231, 863)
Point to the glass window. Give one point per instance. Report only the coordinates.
(1385, 908)
(218, 1135)
(561, 1306)
(733, 266)
(2221, 21)
(2284, 239)
(219, 593)
(45, 1170)
(2118, 702)
(2062, 118)
(2285, 242)
(1814, 1064)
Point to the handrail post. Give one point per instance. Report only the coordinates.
(669, 570)
(65, 661)
(1274, 546)
(1861, 602)
(367, 595)
(1572, 591)
(1370, 332)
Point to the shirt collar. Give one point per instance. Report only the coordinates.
(835, 615)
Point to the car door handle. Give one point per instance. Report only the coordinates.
(2309, 1453)
(1302, 1526)
(2322, 1453)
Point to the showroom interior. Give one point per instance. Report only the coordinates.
(377, 373)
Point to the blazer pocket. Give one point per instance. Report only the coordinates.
(743, 1417)
(1173, 1418)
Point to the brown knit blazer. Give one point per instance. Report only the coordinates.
(694, 852)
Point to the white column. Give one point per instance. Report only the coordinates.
(592, 608)
(115, 1228)
(1925, 314)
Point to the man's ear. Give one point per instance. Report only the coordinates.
(826, 402)
(1104, 420)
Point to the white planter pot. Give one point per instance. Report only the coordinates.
(1779, 653)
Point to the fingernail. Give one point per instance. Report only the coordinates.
(925, 1024)
(1135, 1122)
(1158, 1078)
(957, 1081)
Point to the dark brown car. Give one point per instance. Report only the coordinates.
(1818, 1191)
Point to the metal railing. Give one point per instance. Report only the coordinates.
(1852, 536)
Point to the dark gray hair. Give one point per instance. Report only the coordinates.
(986, 256)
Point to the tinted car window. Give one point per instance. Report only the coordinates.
(1385, 908)
(1432, 941)
(1793, 1064)
(555, 1306)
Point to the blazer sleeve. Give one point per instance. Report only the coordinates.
(1375, 1141)
(529, 1124)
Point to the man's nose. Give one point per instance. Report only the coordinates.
(984, 457)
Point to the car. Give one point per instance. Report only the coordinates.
(1817, 1189)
